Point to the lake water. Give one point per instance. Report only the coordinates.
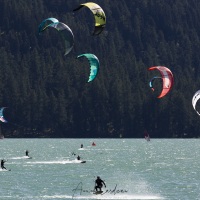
(131, 168)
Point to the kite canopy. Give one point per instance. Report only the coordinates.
(195, 98)
(94, 65)
(152, 80)
(66, 34)
(167, 79)
(45, 24)
(99, 16)
(1, 115)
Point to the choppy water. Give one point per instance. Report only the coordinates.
(131, 168)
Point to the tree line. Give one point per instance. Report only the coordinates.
(47, 94)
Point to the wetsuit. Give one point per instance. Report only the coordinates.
(2, 164)
(27, 153)
(99, 183)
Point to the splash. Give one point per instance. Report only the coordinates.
(56, 162)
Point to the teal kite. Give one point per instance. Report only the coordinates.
(152, 80)
(65, 32)
(94, 65)
(45, 24)
(1, 115)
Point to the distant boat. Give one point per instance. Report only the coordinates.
(146, 136)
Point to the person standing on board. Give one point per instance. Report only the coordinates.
(2, 164)
(78, 157)
(27, 152)
(99, 184)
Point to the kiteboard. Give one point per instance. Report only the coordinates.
(5, 170)
(27, 157)
(98, 192)
(83, 161)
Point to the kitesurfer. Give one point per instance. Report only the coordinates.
(2, 164)
(27, 152)
(78, 157)
(99, 183)
(81, 145)
(93, 144)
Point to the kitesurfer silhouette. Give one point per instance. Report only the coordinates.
(99, 184)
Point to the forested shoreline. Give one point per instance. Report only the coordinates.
(47, 93)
